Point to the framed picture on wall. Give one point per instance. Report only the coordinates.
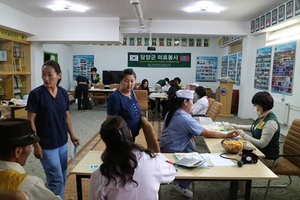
(154, 41)
(183, 42)
(50, 56)
(252, 26)
(161, 41)
(289, 9)
(262, 22)
(191, 42)
(268, 19)
(131, 42)
(169, 42)
(281, 15)
(257, 24)
(138, 41)
(297, 7)
(176, 42)
(274, 16)
(205, 42)
(198, 42)
(146, 41)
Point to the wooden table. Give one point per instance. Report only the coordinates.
(233, 174)
(107, 92)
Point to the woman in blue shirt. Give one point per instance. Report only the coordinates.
(123, 102)
(179, 129)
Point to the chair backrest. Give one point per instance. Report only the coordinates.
(214, 110)
(142, 97)
(100, 86)
(150, 135)
(11, 194)
(210, 103)
(292, 143)
(114, 85)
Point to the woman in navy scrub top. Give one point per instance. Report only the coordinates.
(48, 109)
(123, 102)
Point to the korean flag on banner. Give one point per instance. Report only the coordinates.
(134, 58)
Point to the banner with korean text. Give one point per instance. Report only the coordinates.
(159, 60)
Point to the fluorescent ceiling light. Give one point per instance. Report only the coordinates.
(204, 6)
(65, 5)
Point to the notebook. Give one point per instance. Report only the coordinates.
(189, 162)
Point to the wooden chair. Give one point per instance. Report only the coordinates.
(150, 135)
(114, 85)
(99, 96)
(288, 163)
(214, 110)
(210, 103)
(142, 97)
(11, 194)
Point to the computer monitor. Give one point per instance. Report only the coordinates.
(110, 77)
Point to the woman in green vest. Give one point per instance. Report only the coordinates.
(265, 131)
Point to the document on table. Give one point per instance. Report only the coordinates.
(217, 161)
(196, 156)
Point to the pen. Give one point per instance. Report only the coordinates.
(170, 162)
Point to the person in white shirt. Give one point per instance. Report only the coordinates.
(128, 170)
(16, 142)
(201, 106)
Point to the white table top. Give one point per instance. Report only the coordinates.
(158, 95)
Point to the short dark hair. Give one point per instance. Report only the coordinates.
(126, 72)
(94, 69)
(200, 91)
(263, 99)
(177, 79)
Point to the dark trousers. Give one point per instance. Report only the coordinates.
(82, 95)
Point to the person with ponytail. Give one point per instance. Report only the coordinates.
(128, 171)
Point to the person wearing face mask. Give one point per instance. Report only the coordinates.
(265, 131)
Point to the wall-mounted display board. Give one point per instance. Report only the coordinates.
(224, 65)
(262, 68)
(231, 70)
(238, 68)
(283, 68)
(82, 65)
(206, 69)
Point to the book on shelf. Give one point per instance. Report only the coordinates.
(18, 82)
(17, 62)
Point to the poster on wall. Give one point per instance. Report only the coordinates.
(224, 65)
(82, 65)
(231, 71)
(283, 68)
(262, 68)
(206, 69)
(238, 68)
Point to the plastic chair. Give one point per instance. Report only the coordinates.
(142, 97)
(150, 135)
(288, 163)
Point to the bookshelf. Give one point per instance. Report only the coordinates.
(15, 70)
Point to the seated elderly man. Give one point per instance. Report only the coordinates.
(17, 138)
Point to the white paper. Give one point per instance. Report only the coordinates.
(216, 160)
(194, 155)
(73, 152)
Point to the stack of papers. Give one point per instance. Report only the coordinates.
(192, 159)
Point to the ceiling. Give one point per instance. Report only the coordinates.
(235, 10)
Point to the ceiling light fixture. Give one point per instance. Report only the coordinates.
(138, 11)
(65, 5)
(204, 6)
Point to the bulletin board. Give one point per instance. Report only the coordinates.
(231, 70)
(224, 65)
(262, 68)
(206, 69)
(238, 68)
(82, 65)
(283, 68)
